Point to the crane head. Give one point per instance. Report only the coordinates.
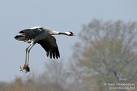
(70, 33)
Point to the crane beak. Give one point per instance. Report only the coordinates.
(74, 35)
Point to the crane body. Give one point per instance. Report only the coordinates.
(42, 36)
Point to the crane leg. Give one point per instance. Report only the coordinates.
(26, 56)
(26, 65)
(27, 53)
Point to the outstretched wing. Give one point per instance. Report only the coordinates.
(50, 46)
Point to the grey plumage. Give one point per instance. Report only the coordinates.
(42, 36)
(50, 45)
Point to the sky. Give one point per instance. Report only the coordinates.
(61, 15)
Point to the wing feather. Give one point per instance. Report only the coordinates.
(50, 46)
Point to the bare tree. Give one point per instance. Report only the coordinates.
(108, 52)
(61, 76)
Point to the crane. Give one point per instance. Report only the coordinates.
(42, 36)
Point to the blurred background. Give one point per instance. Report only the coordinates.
(102, 54)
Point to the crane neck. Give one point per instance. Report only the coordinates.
(62, 33)
(58, 33)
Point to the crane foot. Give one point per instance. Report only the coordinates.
(25, 68)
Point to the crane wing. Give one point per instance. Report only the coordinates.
(50, 46)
